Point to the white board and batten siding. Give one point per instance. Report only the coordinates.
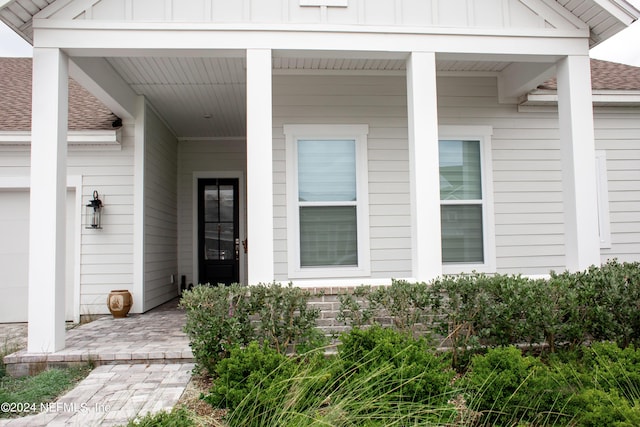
(160, 212)
(407, 13)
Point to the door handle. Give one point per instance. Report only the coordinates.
(245, 245)
(237, 248)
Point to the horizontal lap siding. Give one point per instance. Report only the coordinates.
(379, 102)
(618, 133)
(106, 256)
(202, 157)
(160, 212)
(529, 222)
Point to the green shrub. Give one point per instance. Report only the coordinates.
(355, 308)
(508, 388)
(217, 318)
(608, 367)
(245, 369)
(401, 358)
(611, 297)
(284, 318)
(396, 382)
(605, 408)
(178, 417)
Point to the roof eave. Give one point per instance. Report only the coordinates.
(621, 98)
(622, 10)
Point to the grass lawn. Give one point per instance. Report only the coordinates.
(28, 395)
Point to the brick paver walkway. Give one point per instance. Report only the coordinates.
(112, 395)
(145, 363)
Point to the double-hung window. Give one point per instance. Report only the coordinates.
(466, 211)
(327, 200)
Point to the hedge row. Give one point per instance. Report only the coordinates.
(569, 309)
(465, 311)
(220, 317)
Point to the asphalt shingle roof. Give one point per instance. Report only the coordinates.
(607, 75)
(86, 112)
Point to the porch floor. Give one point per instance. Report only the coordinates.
(149, 338)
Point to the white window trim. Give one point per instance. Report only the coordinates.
(482, 134)
(359, 133)
(602, 194)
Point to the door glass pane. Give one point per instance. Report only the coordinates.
(226, 241)
(326, 170)
(328, 236)
(211, 203)
(226, 203)
(462, 239)
(211, 247)
(460, 177)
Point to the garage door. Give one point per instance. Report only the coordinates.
(14, 254)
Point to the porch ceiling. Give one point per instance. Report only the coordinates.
(206, 97)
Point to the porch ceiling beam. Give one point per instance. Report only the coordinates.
(101, 80)
(520, 78)
(90, 40)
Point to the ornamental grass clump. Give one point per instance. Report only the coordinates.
(378, 378)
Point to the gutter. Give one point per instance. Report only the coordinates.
(77, 140)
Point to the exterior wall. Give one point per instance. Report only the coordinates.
(617, 132)
(379, 102)
(106, 256)
(443, 13)
(527, 183)
(526, 168)
(204, 159)
(160, 212)
(526, 165)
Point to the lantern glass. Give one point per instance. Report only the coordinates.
(94, 212)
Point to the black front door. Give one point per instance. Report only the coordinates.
(218, 235)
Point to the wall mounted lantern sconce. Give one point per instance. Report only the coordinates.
(94, 213)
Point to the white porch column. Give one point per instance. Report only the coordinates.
(47, 236)
(582, 244)
(423, 166)
(259, 167)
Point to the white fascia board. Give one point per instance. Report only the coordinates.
(91, 39)
(77, 140)
(561, 10)
(621, 97)
(620, 9)
(553, 13)
(65, 9)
